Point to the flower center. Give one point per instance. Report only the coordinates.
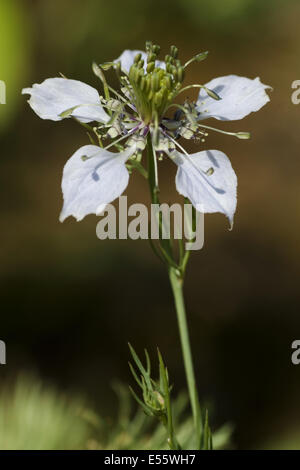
(153, 88)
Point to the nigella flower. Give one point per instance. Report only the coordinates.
(135, 116)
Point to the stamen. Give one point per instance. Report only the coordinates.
(239, 135)
(154, 89)
(123, 137)
(210, 93)
(155, 167)
(209, 172)
(120, 96)
(68, 112)
(175, 142)
(196, 58)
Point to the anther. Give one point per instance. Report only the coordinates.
(150, 67)
(180, 72)
(143, 83)
(243, 135)
(156, 49)
(212, 93)
(167, 81)
(169, 67)
(137, 58)
(174, 52)
(158, 97)
(151, 57)
(148, 46)
(155, 82)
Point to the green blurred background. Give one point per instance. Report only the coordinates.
(70, 303)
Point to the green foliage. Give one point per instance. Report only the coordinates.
(156, 403)
(156, 394)
(134, 430)
(33, 417)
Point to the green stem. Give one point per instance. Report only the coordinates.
(165, 245)
(154, 190)
(177, 288)
(169, 421)
(176, 275)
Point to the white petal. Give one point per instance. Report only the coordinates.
(240, 97)
(127, 59)
(90, 183)
(55, 95)
(215, 193)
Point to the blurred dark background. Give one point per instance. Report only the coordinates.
(70, 303)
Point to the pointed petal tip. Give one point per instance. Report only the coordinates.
(53, 96)
(215, 192)
(89, 185)
(62, 217)
(26, 91)
(240, 97)
(100, 209)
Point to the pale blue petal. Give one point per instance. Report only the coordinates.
(208, 180)
(127, 59)
(92, 178)
(240, 96)
(55, 95)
